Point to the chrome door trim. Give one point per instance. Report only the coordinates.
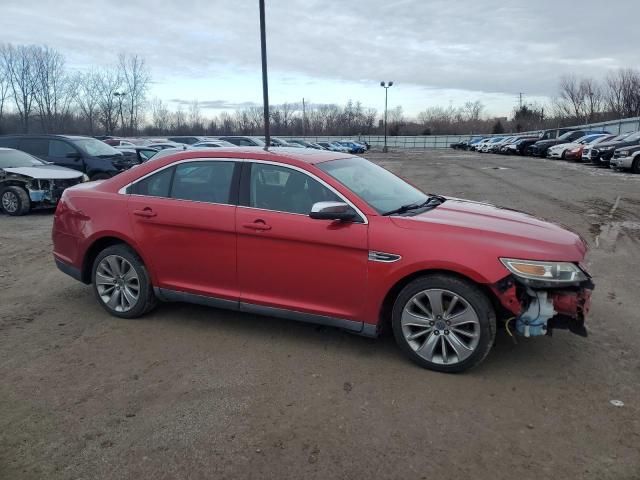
(383, 257)
(123, 190)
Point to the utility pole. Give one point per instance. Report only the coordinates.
(386, 86)
(265, 82)
(304, 118)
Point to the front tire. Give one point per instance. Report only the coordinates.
(15, 201)
(121, 282)
(444, 323)
(635, 166)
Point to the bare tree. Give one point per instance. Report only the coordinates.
(160, 116)
(196, 121)
(108, 86)
(135, 80)
(4, 90)
(19, 64)
(88, 99)
(623, 93)
(55, 89)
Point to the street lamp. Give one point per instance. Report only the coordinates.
(120, 97)
(386, 86)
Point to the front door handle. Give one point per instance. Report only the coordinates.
(146, 213)
(257, 225)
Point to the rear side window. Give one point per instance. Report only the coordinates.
(208, 182)
(35, 146)
(156, 185)
(203, 181)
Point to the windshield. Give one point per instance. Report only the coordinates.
(378, 187)
(16, 158)
(96, 148)
(634, 137)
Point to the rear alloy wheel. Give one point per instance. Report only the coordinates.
(121, 282)
(444, 323)
(15, 201)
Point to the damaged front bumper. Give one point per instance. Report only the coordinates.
(47, 193)
(539, 311)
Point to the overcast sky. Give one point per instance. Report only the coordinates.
(437, 52)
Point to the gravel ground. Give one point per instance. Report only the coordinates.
(192, 392)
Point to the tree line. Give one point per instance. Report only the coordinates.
(38, 93)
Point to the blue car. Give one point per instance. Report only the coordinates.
(352, 146)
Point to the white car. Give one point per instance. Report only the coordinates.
(486, 148)
(626, 159)
(559, 151)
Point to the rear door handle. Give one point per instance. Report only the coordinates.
(146, 213)
(257, 225)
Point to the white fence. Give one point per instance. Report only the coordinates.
(444, 141)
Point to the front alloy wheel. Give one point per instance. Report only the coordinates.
(440, 326)
(444, 323)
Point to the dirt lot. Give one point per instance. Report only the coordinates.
(191, 392)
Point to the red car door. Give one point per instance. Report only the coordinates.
(183, 218)
(286, 260)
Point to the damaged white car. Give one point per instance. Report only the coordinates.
(27, 182)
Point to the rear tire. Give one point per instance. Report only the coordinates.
(444, 323)
(121, 282)
(15, 201)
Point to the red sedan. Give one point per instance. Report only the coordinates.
(322, 237)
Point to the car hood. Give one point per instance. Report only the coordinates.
(623, 143)
(630, 148)
(45, 172)
(503, 231)
(567, 145)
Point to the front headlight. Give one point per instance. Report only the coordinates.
(623, 154)
(533, 271)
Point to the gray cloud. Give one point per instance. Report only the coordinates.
(483, 45)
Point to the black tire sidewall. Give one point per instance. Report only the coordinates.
(146, 297)
(472, 294)
(24, 202)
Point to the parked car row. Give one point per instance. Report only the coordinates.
(600, 148)
(191, 141)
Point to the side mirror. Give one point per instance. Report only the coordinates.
(332, 211)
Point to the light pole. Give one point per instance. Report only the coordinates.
(120, 97)
(386, 86)
(265, 82)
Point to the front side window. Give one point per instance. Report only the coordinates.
(283, 189)
(378, 187)
(58, 148)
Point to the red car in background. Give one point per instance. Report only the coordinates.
(322, 237)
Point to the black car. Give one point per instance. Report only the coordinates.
(602, 153)
(540, 148)
(137, 153)
(27, 182)
(241, 141)
(92, 157)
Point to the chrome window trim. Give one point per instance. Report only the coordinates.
(365, 220)
(123, 190)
